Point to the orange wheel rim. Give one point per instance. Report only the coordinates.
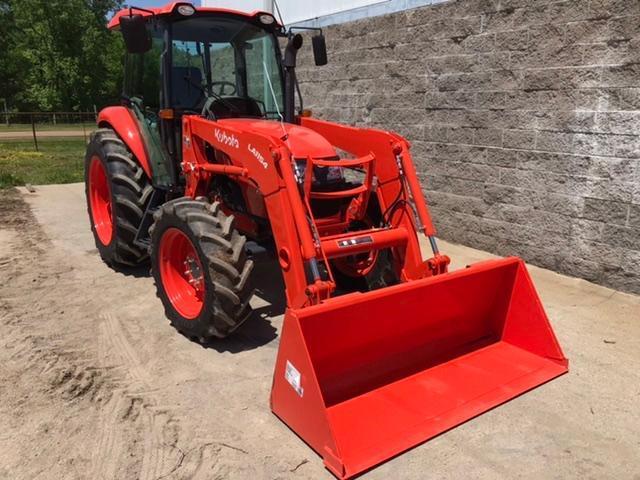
(100, 201)
(181, 273)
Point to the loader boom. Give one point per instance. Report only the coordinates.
(266, 162)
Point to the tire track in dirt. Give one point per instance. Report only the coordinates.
(106, 445)
(101, 379)
(138, 403)
(94, 372)
(56, 372)
(153, 456)
(65, 372)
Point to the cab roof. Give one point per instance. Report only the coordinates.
(169, 9)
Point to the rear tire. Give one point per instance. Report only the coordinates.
(118, 192)
(215, 266)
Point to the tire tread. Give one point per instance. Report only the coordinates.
(229, 269)
(131, 192)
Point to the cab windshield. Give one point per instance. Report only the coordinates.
(228, 64)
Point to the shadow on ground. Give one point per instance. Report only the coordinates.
(258, 329)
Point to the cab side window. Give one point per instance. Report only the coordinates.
(143, 75)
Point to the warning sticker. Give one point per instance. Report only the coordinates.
(292, 376)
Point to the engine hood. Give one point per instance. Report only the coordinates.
(302, 141)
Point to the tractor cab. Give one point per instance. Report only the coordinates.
(221, 64)
(228, 62)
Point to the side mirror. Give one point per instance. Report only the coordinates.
(319, 49)
(135, 34)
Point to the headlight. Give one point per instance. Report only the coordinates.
(266, 19)
(186, 10)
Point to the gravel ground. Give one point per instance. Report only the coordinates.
(95, 383)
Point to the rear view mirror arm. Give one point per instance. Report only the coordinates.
(299, 95)
(132, 8)
(315, 29)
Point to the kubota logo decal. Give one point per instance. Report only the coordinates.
(258, 156)
(225, 138)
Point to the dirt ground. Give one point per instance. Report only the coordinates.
(95, 383)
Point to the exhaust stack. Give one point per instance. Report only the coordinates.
(290, 54)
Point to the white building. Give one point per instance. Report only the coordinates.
(324, 12)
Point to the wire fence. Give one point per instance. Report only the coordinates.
(50, 125)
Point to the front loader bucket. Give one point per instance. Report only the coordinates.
(363, 377)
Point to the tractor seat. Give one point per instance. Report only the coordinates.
(186, 88)
(235, 107)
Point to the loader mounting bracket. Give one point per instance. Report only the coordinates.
(438, 264)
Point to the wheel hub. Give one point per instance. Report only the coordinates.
(181, 273)
(193, 273)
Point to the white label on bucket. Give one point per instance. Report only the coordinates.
(293, 377)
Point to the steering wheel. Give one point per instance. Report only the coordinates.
(222, 87)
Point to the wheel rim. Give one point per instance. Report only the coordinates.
(181, 273)
(100, 201)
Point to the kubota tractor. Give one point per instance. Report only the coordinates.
(380, 349)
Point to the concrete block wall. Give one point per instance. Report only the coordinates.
(524, 116)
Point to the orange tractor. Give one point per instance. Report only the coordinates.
(380, 349)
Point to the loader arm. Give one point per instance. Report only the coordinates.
(260, 167)
(301, 242)
(396, 175)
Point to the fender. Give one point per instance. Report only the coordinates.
(122, 120)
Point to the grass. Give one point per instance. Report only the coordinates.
(58, 161)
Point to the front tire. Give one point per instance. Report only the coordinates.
(200, 268)
(118, 192)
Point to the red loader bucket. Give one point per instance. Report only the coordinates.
(363, 377)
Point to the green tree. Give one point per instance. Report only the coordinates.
(59, 54)
(8, 64)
